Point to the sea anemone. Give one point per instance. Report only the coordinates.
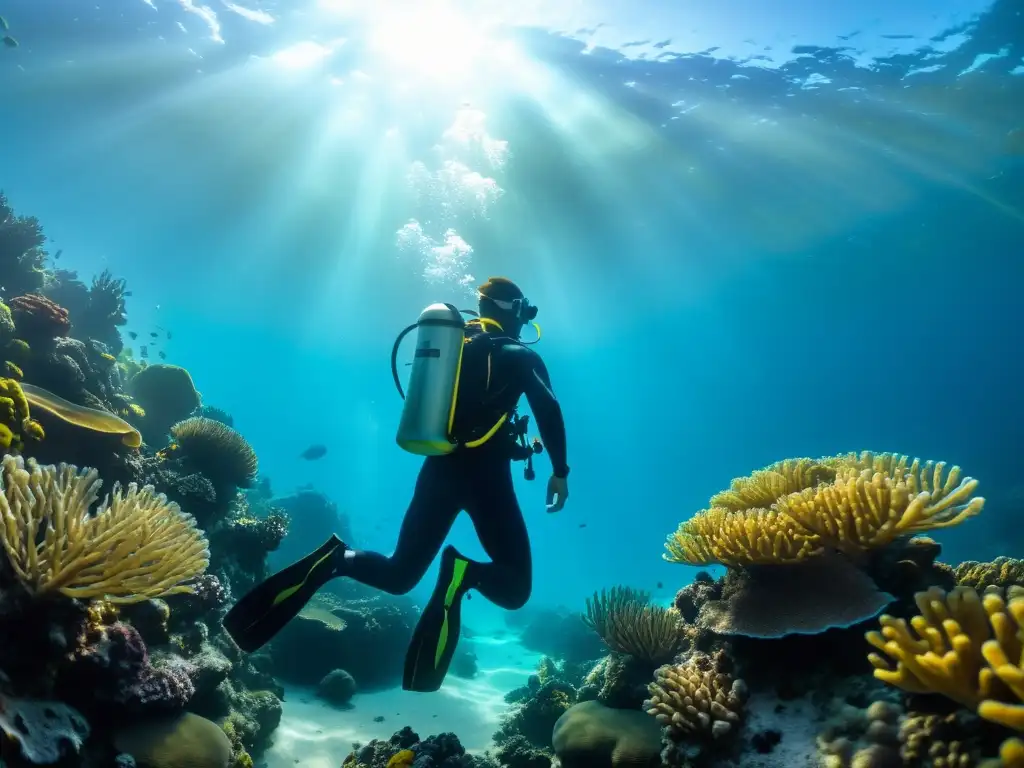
(217, 451)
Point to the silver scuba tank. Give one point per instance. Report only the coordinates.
(429, 410)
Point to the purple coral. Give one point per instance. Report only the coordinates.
(117, 668)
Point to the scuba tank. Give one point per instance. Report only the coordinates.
(429, 409)
(428, 414)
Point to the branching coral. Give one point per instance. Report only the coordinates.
(21, 250)
(16, 424)
(966, 646)
(628, 623)
(217, 451)
(106, 299)
(694, 701)
(135, 547)
(851, 503)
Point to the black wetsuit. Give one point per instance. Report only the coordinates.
(477, 480)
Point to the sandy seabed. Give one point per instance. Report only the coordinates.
(316, 735)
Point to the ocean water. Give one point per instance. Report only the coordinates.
(753, 232)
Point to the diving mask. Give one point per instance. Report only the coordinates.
(521, 309)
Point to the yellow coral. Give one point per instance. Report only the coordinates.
(1001, 572)
(15, 417)
(966, 646)
(799, 507)
(865, 509)
(1011, 754)
(402, 759)
(695, 702)
(741, 538)
(137, 546)
(768, 485)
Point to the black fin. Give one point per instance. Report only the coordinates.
(264, 611)
(434, 640)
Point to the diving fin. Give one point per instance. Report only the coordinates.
(262, 613)
(437, 632)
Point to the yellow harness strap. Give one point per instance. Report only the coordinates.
(484, 322)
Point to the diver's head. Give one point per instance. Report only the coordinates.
(503, 301)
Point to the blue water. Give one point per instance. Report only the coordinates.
(753, 233)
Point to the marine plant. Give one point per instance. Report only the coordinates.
(135, 547)
(628, 623)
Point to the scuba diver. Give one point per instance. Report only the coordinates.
(460, 412)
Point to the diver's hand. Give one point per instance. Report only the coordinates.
(558, 492)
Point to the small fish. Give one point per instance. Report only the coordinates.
(133, 335)
(660, 585)
(583, 525)
(57, 254)
(10, 42)
(154, 334)
(162, 355)
(379, 719)
(143, 352)
(3, 24)
(168, 335)
(314, 452)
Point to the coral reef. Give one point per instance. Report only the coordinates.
(21, 251)
(405, 748)
(536, 708)
(1001, 572)
(111, 612)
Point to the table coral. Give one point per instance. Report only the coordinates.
(852, 503)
